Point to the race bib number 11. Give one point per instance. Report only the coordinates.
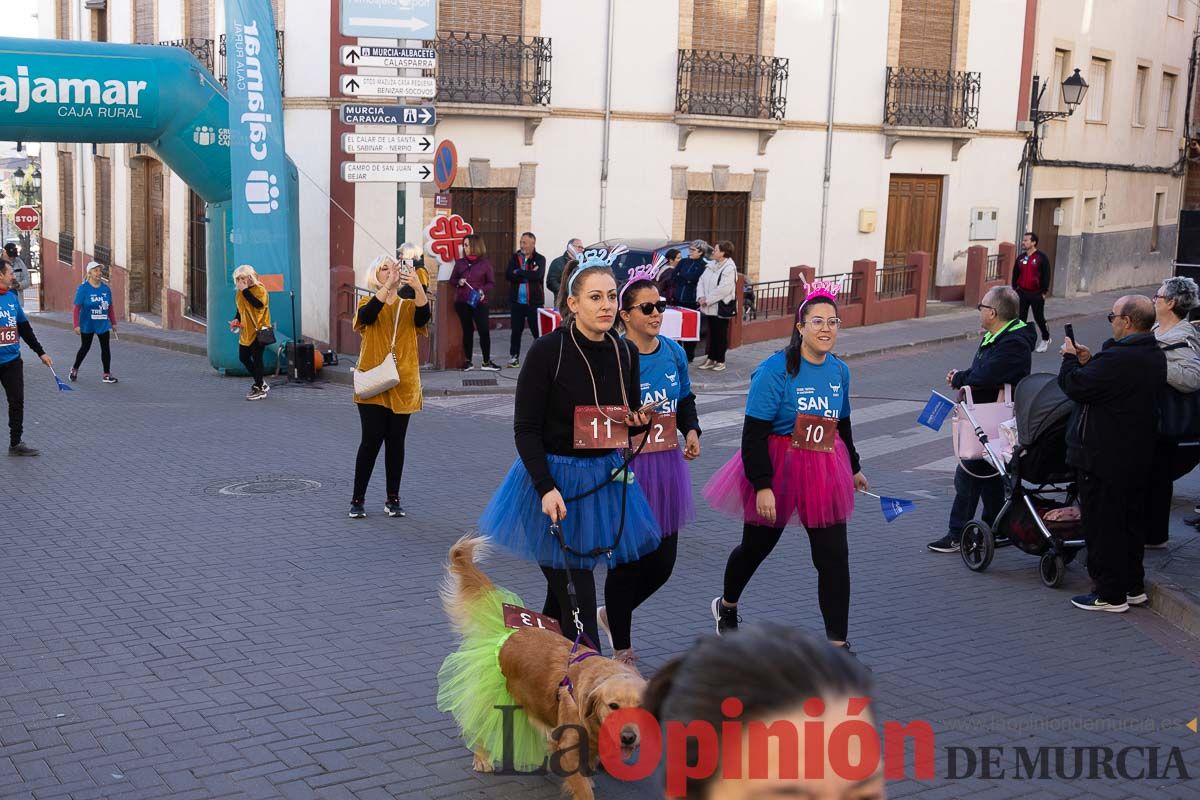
(600, 427)
(814, 433)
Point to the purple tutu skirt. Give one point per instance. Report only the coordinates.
(667, 484)
(814, 489)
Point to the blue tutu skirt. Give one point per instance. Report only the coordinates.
(514, 519)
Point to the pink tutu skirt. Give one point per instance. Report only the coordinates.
(814, 489)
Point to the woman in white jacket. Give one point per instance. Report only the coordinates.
(1181, 342)
(717, 285)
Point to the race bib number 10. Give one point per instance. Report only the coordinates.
(814, 433)
(600, 427)
(8, 334)
(663, 435)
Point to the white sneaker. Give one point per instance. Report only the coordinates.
(719, 366)
(708, 364)
(1043, 345)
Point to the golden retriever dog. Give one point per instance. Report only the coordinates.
(533, 662)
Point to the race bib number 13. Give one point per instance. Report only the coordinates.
(8, 334)
(517, 617)
(814, 433)
(600, 427)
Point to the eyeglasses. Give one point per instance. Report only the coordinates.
(650, 308)
(1112, 316)
(833, 323)
(1157, 296)
(982, 306)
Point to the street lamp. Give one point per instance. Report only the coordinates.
(37, 173)
(1074, 89)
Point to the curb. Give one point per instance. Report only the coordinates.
(1174, 604)
(135, 338)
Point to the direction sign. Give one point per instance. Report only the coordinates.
(393, 57)
(27, 218)
(402, 144)
(389, 19)
(363, 114)
(389, 86)
(385, 172)
(445, 164)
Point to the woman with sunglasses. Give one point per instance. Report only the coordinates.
(797, 463)
(659, 467)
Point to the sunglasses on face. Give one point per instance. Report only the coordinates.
(650, 308)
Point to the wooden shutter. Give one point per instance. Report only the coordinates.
(197, 22)
(103, 201)
(493, 215)
(927, 34)
(62, 19)
(143, 22)
(481, 16)
(726, 26)
(66, 193)
(713, 216)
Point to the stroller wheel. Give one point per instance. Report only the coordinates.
(1051, 568)
(977, 547)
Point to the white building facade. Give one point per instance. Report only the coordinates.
(716, 124)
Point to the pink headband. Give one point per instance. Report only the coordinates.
(818, 289)
(646, 272)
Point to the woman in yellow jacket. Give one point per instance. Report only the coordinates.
(253, 312)
(385, 416)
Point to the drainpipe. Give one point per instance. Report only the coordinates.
(77, 179)
(608, 70)
(833, 52)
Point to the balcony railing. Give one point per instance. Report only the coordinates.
(767, 299)
(893, 282)
(931, 98)
(993, 268)
(493, 68)
(223, 68)
(731, 85)
(202, 49)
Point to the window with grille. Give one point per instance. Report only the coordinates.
(1097, 90)
(197, 284)
(713, 216)
(66, 207)
(1166, 100)
(493, 215)
(1140, 83)
(143, 21)
(62, 19)
(103, 168)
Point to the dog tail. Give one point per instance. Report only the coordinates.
(465, 583)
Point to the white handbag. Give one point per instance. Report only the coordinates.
(378, 379)
(990, 416)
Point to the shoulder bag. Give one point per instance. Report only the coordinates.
(727, 309)
(265, 335)
(378, 379)
(990, 416)
(1179, 413)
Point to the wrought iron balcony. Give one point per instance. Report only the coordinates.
(202, 49)
(931, 98)
(493, 68)
(222, 65)
(731, 85)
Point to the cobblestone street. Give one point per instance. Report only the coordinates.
(186, 612)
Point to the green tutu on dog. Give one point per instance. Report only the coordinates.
(471, 685)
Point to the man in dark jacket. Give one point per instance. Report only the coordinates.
(1031, 279)
(526, 273)
(1110, 443)
(555, 272)
(1004, 357)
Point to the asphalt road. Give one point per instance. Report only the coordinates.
(186, 612)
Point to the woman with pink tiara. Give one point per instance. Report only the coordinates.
(797, 464)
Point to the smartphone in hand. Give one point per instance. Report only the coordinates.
(1070, 332)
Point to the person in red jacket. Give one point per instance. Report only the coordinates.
(1031, 279)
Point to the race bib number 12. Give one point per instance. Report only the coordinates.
(663, 435)
(814, 433)
(600, 427)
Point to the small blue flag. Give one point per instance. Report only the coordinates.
(936, 411)
(893, 507)
(62, 387)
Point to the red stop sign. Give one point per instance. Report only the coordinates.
(27, 218)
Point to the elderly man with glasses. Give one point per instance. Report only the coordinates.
(1110, 443)
(1004, 357)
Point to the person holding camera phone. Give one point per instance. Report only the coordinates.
(389, 325)
(253, 314)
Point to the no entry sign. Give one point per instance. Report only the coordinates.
(27, 218)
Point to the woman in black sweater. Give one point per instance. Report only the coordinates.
(576, 404)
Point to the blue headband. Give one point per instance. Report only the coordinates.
(599, 257)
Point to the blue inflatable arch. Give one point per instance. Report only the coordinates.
(53, 90)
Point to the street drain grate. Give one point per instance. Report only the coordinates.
(479, 382)
(270, 486)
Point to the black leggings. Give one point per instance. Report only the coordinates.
(830, 555)
(85, 344)
(558, 603)
(380, 427)
(252, 358)
(630, 585)
(474, 319)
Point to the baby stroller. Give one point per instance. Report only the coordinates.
(1037, 481)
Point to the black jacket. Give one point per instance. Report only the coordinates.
(1113, 431)
(531, 272)
(554, 275)
(1006, 359)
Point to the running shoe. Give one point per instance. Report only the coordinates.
(514, 362)
(1139, 599)
(467, 367)
(256, 394)
(108, 378)
(708, 364)
(22, 449)
(490, 366)
(74, 375)
(1043, 345)
(393, 508)
(266, 387)
(1092, 602)
(727, 618)
(357, 511)
(946, 544)
(719, 366)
